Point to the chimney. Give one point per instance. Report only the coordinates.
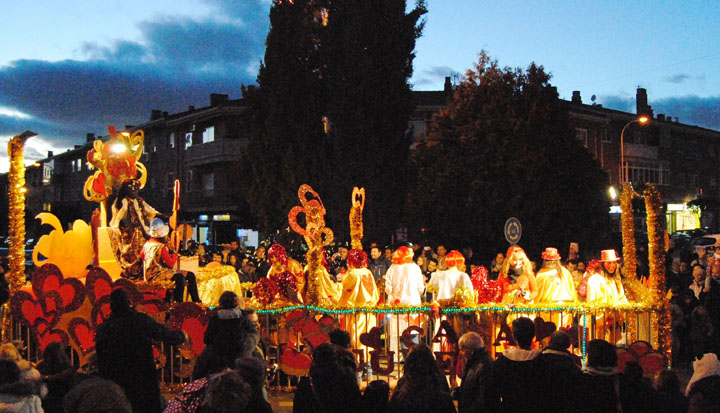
(50, 154)
(661, 117)
(89, 137)
(218, 99)
(191, 108)
(576, 99)
(164, 114)
(155, 114)
(641, 102)
(448, 85)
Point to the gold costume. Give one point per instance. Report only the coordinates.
(328, 290)
(359, 290)
(554, 287)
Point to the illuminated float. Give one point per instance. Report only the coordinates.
(298, 306)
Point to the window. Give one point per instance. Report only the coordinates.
(582, 136)
(77, 165)
(647, 172)
(188, 140)
(604, 136)
(208, 134)
(208, 185)
(171, 140)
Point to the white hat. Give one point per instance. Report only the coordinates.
(707, 366)
(158, 228)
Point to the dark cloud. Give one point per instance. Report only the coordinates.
(691, 110)
(176, 63)
(678, 78)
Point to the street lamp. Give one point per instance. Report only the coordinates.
(641, 120)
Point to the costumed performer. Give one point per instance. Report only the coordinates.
(604, 287)
(130, 227)
(404, 284)
(328, 290)
(159, 263)
(555, 285)
(517, 278)
(280, 264)
(358, 290)
(446, 282)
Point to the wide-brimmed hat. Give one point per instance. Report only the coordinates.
(551, 254)
(158, 228)
(608, 256)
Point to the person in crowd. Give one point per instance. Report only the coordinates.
(339, 264)
(698, 283)
(496, 265)
(560, 374)
(672, 275)
(388, 254)
(703, 389)
(281, 263)
(16, 395)
(701, 332)
(421, 262)
(517, 277)
(236, 251)
(378, 265)
(226, 392)
(28, 373)
(555, 282)
(229, 335)
(124, 347)
(403, 285)
(604, 285)
(711, 296)
(670, 399)
(517, 370)
(94, 394)
(253, 372)
(376, 398)
(440, 253)
(636, 392)
(332, 386)
(478, 392)
(423, 388)
(58, 374)
(341, 338)
(263, 267)
(685, 274)
(601, 380)
(449, 280)
(701, 258)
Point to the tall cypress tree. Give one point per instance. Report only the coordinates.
(341, 67)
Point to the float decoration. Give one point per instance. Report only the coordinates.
(316, 235)
(356, 218)
(71, 251)
(628, 231)
(16, 220)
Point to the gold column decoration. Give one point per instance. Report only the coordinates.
(628, 231)
(313, 232)
(16, 220)
(356, 218)
(662, 318)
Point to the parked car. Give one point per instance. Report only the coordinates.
(682, 238)
(705, 242)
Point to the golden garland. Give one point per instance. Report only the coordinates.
(628, 232)
(204, 274)
(356, 219)
(661, 320)
(16, 221)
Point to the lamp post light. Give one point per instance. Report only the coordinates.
(641, 120)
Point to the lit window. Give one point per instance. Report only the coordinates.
(171, 140)
(208, 134)
(188, 140)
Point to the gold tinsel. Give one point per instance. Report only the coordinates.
(205, 274)
(628, 231)
(16, 220)
(356, 218)
(661, 320)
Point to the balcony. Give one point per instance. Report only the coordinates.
(634, 150)
(221, 150)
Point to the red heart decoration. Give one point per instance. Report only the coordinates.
(98, 284)
(98, 184)
(31, 311)
(295, 363)
(192, 319)
(49, 278)
(543, 328)
(372, 338)
(83, 334)
(45, 336)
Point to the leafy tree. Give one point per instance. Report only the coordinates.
(504, 148)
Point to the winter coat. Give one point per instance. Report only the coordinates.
(478, 391)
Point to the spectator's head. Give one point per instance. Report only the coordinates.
(54, 359)
(343, 251)
(684, 267)
(119, 301)
(559, 340)
(420, 260)
(675, 266)
(228, 299)
(698, 274)
(523, 330)
(376, 397)
(469, 343)
(375, 252)
(715, 272)
(226, 392)
(9, 372)
(432, 265)
(9, 352)
(499, 258)
(420, 362)
(454, 259)
(333, 376)
(260, 252)
(341, 338)
(388, 253)
(633, 371)
(601, 354)
(667, 382)
(441, 250)
(252, 371)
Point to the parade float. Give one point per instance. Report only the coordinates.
(77, 269)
